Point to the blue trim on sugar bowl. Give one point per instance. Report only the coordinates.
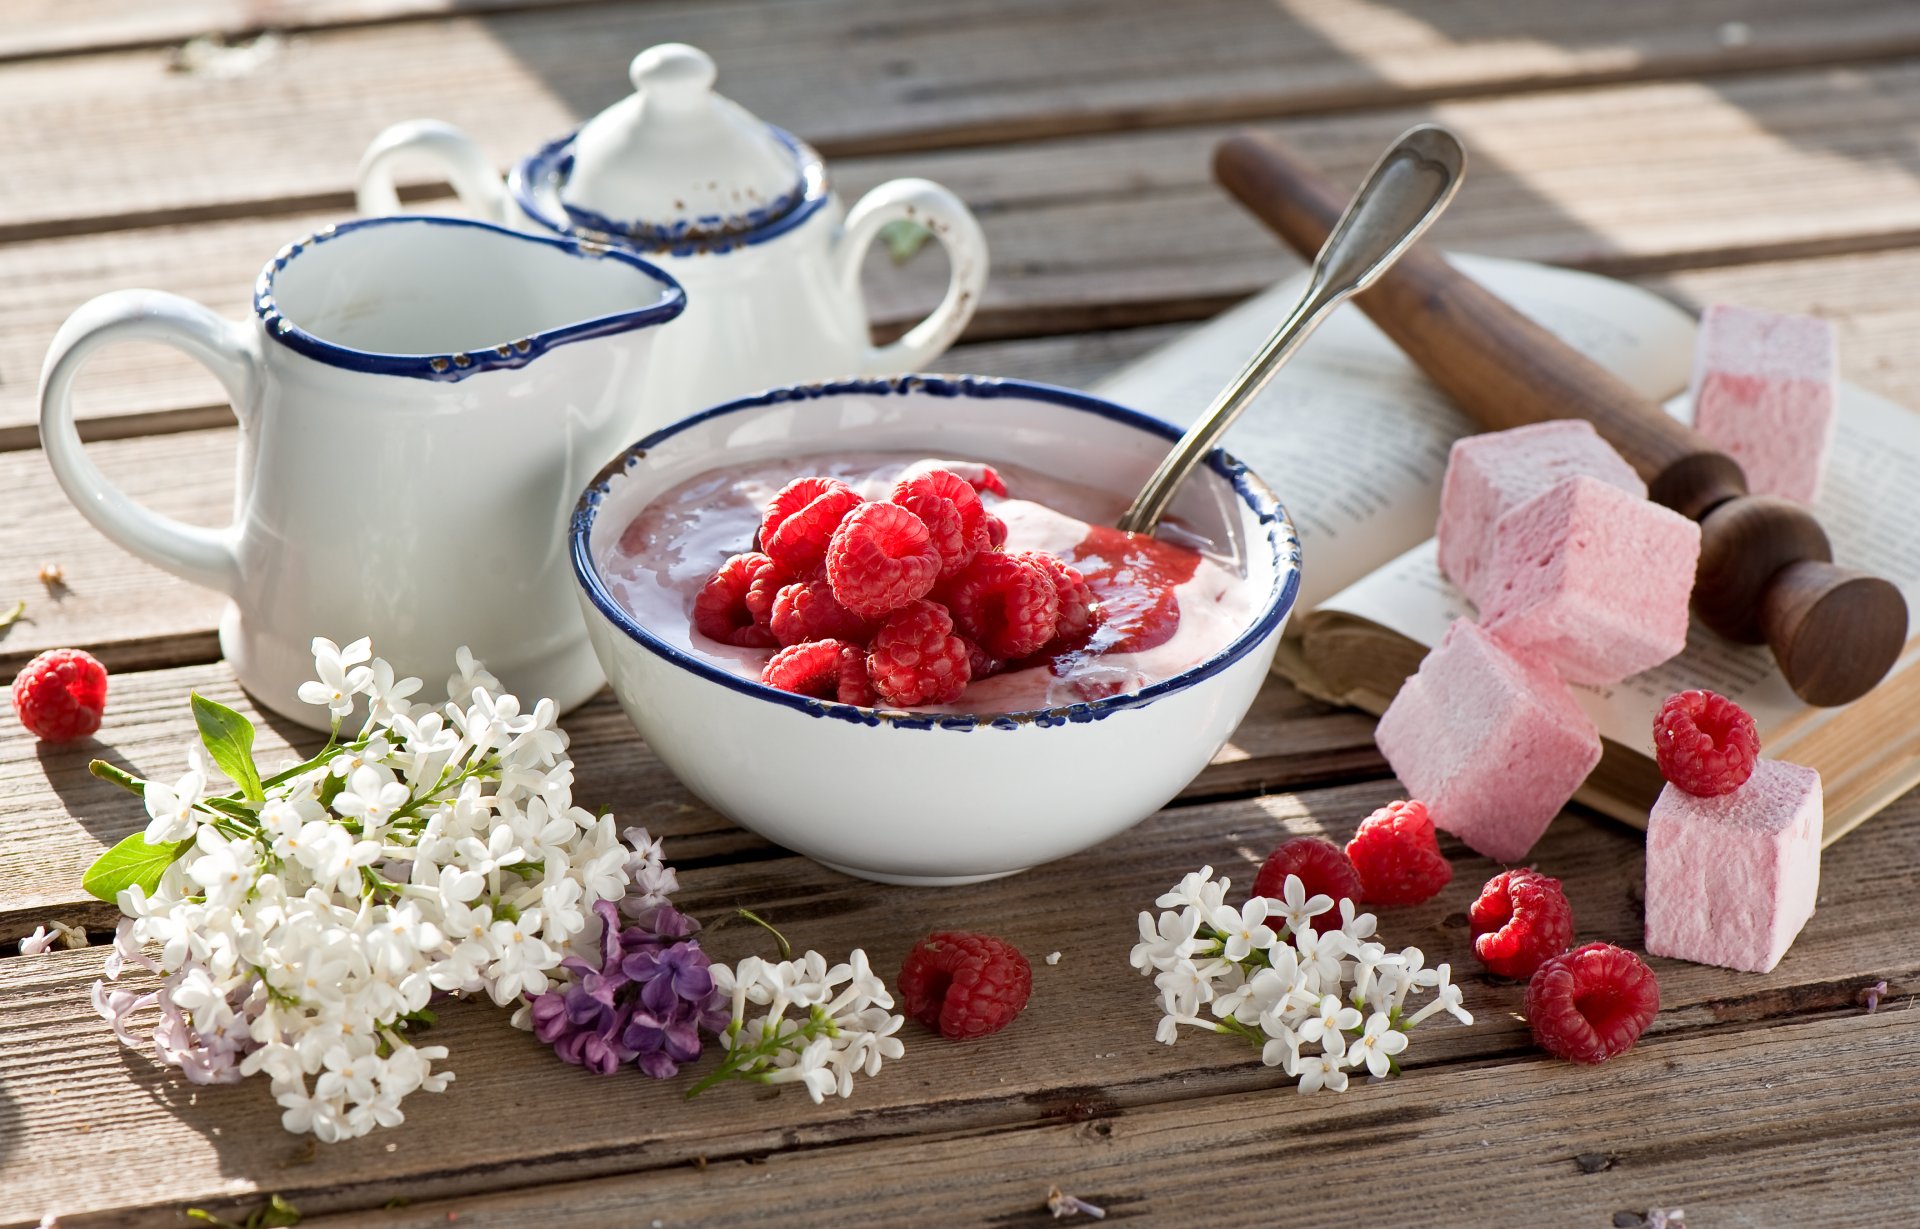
(458, 365)
(711, 235)
(1254, 493)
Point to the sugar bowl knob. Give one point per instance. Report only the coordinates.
(673, 76)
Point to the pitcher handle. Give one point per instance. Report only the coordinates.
(229, 350)
(953, 224)
(473, 178)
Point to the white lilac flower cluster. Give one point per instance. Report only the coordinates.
(821, 1027)
(1317, 1004)
(303, 922)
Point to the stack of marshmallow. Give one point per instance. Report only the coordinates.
(1579, 578)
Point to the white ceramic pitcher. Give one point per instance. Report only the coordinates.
(420, 401)
(738, 210)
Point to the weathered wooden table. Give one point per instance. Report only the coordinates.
(1760, 152)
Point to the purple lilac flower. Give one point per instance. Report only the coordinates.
(646, 1003)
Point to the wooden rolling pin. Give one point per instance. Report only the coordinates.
(1766, 569)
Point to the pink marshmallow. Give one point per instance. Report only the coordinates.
(1731, 880)
(1592, 579)
(1764, 392)
(1493, 743)
(1490, 475)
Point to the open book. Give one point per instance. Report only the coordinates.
(1354, 438)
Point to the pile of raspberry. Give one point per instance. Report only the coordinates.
(900, 602)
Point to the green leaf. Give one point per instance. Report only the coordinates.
(277, 1214)
(903, 237)
(131, 862)
(10, 617)
(206, 1217)
(229, 740)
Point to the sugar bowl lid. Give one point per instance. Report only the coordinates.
(674, 160)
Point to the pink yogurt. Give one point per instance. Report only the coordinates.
(1165, 607)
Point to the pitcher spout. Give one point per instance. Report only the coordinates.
(441, 298)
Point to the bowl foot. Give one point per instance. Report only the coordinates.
(919, 881)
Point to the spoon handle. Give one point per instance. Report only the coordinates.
(1403, 194)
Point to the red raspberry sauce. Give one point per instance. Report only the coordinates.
(1134, 577)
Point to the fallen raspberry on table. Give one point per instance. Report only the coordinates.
(810, 669)
(1397, 856)
(1079, 611)
(807, 610)
(881, 558)
(1323, 870)
(60, 695)
(1592, 1003)
(1705, 743)
(1006, 605)
(856, 685)
(720, 609)
(964, 985)
(952, 513)
(1520, 920)
(916, 659)
(799, 522)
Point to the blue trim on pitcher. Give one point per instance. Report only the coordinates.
(458, 365)
(711, 235)
(1254, 493)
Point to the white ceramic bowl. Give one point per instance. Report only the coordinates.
(919, 798)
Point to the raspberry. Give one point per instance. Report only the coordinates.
(799, 522)
(806, 610)
(1322, 869)
(964, 985)
(979, 476)
(810, 669)
(60, 695)
(1705, 743)
(996, 532)
(979, 663)
(1592, 1003)
(881, 558)
(1521, 919)
(916, 659)
(1006, 604)
(1079, 609)
(856, 686)
(952, 512)
(720, 609)
(1397, 856)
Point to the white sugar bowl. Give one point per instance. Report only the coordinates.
(738, 211)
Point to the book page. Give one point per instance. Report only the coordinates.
(1875, 461)
(1352, 436)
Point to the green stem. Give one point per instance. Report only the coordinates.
(786, 948)
(118, 776)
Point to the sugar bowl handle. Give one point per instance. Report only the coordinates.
(940, 211)
(229, 350)
(450, 150)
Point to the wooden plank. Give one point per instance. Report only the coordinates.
(1466, 46)
(1755, 1130)
(166, 145)
(1083, 1049)
(1103, 232)
(58, 818)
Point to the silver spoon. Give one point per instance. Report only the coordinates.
(1404, 193)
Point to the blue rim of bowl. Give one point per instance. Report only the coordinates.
(711, 236)
(1252, 491)
(458, 365)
